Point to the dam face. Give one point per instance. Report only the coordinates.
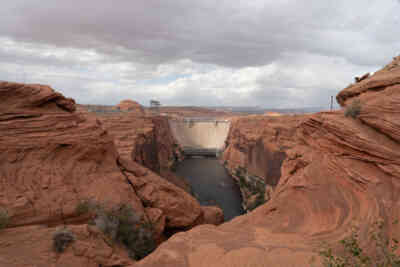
(200, 136)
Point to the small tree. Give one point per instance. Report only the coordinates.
(62, 238)
(4, 218)
(354, 109)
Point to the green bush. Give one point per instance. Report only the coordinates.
(124, 226)
(4, 219)
(252, 185)
(382, 253)
(83, 207)
(136, 235)
(62, 237)
(86, 206)
(353, 110)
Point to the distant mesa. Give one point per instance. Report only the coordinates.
(130, 105)
(273, 114)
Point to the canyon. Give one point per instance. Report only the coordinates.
(305, 179)
(327, 173)
(55, 155)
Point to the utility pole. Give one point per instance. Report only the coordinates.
(155, 105)
(331, 102)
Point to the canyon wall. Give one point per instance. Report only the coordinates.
(255, 150)
(53, 158)
(148, 140)
(339, 171)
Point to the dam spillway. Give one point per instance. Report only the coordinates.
(200, 136)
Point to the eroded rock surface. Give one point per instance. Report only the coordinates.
(147, 140)
(255, 150)
(51, 159)
(54, 157)
(338, 172)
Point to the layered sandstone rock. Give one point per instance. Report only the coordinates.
(33, 246)
(370, 86)
(338, 172)
(146, 140)
(52, 158)
(180, 209)
(131, 106)
(255, 150)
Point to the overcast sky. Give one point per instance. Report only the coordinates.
(270, 53)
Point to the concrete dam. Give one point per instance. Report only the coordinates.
(200, 136)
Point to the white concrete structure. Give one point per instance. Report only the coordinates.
(200, 134)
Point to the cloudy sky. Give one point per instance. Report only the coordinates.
(270, 53)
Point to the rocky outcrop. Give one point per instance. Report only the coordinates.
(338, 172)
(180, 209)
(255, 150)
(53, 158)
(131, 106)
(371, 85)
(146, 140)
(212, 215)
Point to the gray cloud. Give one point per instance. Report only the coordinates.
(314, 48)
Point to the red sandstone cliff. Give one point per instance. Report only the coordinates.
(255, 150)
(338, 171)
(147, 140)
(52, 158)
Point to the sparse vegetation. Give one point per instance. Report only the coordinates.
(4, 218)
(260, 199)
(121, 224)
(252, 185)
(381, 254)
(124, 226)
(83, 207)
(354, 109)
(62, 238)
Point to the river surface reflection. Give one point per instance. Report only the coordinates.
(212, 185)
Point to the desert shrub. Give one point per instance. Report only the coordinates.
(124, 226)
(4, 219)
(382, 253)
(136, 235)
(62, 237)
(260, 199)
(253, 185)
(353, 110)
(107, 224)
(86, 206)
(82, 207)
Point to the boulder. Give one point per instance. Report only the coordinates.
(212, 215)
